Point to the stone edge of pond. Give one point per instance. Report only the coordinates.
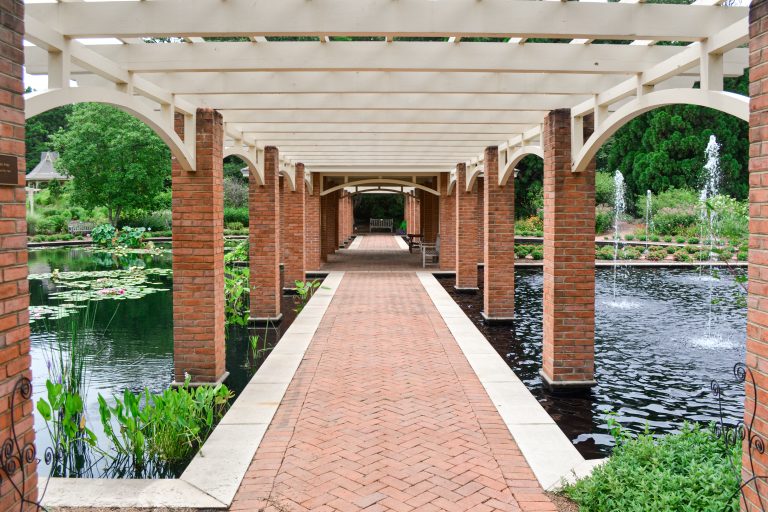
(214, 475)
(548, 451)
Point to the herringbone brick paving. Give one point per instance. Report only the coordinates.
(385, 413)
(378, 242)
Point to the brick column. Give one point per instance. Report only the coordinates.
(407, 213)
(340, 225)
(312, 260)
(430, 215)
(466, 232)
(499, 243)
(329, 241)
(569, 262)
(417, 212)
(447, 225)
(198, 255)
(292, 204)
(480, 216)
(265, 247)
(14, 289)
(757, 302)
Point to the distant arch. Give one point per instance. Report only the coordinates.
(472, 177)
(39, 102)
(730, 103)
(291, 177)
(379, 181)
(250, 159)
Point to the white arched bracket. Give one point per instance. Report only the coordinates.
(474, 171)
(451, 183)
(308, 182)
(253, 158)
(515, 158)
(380, 181)
(730, 103)
(288, 171)
(39, 102)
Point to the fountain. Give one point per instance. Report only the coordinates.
(619, 206)
(648, 218)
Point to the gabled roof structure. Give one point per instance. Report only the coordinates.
(382, 87)
(46, 170)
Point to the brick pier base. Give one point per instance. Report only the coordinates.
(569, 262)
(198, 256)
(466, 232)
(264, 247)
(499, 243)
(292, 239)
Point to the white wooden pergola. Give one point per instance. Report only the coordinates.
(390, 103)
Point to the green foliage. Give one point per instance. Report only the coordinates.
(529, 226)
(664, 149)
(603, 219)
(236, 215)
(629, 237)
(537, 253)
(671, 221)
(630, 253)
(605, 188)
(52, 224)
(131, 237)
(605, 252)
(379, 206)
(116, 161)
(104, 235)
(236, 295)
(235, 192)
(732, 216)
(238, 253)
(671, 198)
(529, 192)
(688, 471)
(682, 255)
(38, 132)
(235, 226)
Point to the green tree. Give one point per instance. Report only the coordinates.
(115, 160)
(39, 130)
(529, 191)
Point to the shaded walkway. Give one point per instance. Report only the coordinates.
(374, 252)
(385, 413)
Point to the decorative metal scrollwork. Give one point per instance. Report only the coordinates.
(741, 432)
(15, 455)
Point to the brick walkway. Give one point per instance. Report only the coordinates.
(379, 242)
(385, 413)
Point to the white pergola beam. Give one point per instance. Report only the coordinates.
(376, 56)
(413, 18)
(262, 130)
(353, 117)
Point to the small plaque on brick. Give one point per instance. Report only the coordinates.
(9, 170)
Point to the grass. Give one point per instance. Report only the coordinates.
(692, 470)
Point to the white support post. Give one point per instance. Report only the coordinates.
(711, 70)
(59, 67)
(577, 134)
(190, 133)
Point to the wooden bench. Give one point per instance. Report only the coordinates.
(382, 224)
(77, 227)
(430, 253)
(414, 241)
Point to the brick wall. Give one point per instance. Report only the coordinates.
(312, 260)
(447, 225)
(14, 289)
(198, 254)
(329, 215)
(264, 236)
(430, 216)
(569, 260)
(292, 204)
(283, 187)
(466, 231)
(499, 247)
(757, 313)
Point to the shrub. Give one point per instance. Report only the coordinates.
(522, 250)
(530, 225)
(537, 253)
(131, 237)
(654, 238)
(236, 215)
(104, 235)
(52, 224)
(672, 198)
(667, 239)
(235, 193)
(656, 254)
(155, 221)
(680, 240)
(671, 249)
(689, 470)
(32, 222)
(604, 188)
(603, 219)
(742, 255)
(235, 226)
(640, 237)
(693, 240)
(539, 233)
(671, 221)
(724, 254)
(732, 216)
(630, 253)
(629, 238)
(604, 253)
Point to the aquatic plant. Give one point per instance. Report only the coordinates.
(104, 235)
(131, 237)
(236, 295)
(238, 253)
(304, 292)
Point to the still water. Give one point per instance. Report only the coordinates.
(130, 341)
(655, 357)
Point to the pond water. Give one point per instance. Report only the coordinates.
(655, 355)
(130, 341)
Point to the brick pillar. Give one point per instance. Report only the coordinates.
(447, 225)
(407, 213)
(341, 205)
(757, 301)
(312, 260)
(430, 216)
(14, 289)
(417, 212)
(569, 262)
(466, 232)
(499, 243)
(198, 255)
(292, 204)
(265, 247)
(329, 241)
(480, 216)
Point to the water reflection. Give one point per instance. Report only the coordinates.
(654, 359)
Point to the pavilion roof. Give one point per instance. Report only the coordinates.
(45, 170)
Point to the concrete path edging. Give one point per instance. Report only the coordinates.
(550, 454)
(214, 475)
